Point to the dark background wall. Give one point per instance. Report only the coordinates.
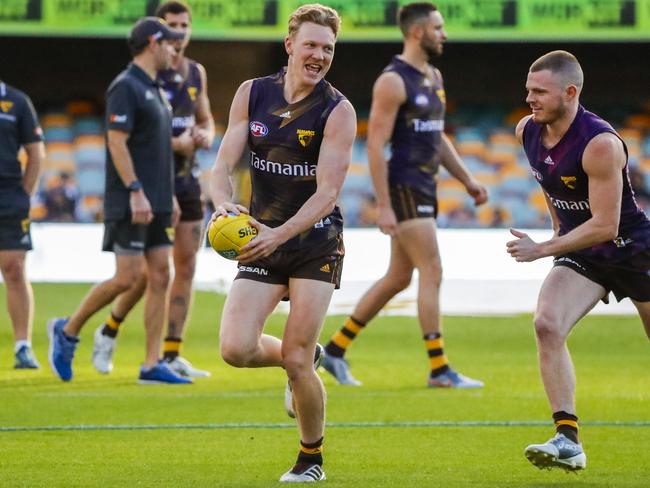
(54, 70)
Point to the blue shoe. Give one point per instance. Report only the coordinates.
(558, 452)
(25, 359)
(62, 348)
(339, 368)
(453, 379)
(161, 374)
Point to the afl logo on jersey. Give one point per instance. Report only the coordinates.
(258, 129)
(538, 176)
(421, 100)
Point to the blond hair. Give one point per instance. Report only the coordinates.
(317, 14)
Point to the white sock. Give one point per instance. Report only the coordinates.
(22, 343)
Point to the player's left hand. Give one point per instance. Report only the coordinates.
(263, 244)
(523, 249)
(477, 191)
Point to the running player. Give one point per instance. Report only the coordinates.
(600, 241)
(408, 110)
(299, 130)
(185, 84)
(18, 128)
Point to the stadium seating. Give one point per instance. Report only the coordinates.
(484, 137)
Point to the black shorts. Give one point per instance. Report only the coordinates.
(123, 237)
(323, 262)
(408, 203)
(627, 278)
(15, 235)
(188, 194)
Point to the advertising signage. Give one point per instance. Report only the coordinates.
(363, 20)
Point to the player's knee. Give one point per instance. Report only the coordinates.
(297, 364)
(14, 272)
(185, 271)
(158, 278)
(234, 354)
(401, 281)
(432, 271)
(547, 328)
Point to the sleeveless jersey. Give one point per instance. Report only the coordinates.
(182, 93)
(419, 124)
(559, 172)
(284, 141)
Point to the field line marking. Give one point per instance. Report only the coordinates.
(362, 425)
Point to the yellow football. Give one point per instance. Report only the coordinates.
(228, 234)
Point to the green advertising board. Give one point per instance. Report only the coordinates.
(363, 20)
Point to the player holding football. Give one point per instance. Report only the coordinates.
(299, 130)
(601, 237)
(408, 111)
(185, 84)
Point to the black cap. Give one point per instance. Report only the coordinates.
(154, 27)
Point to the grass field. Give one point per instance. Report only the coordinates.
(231, 430)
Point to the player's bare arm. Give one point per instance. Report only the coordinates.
(519, 130)
(140, 207)
(451, 160)
(35, 153)
(333, 162)
(388, 95)
(603, 162)
(230, 151)
(203, 134)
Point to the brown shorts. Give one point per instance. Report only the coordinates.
(188, 193)
(408, 203)
(323, 262)
(627, 278)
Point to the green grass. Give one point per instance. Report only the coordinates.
(194, 440)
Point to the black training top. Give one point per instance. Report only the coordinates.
(18, 126)
(135, 104)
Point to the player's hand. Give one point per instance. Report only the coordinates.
(141, 212)
(523, 249)
(477, 191)
(176, 211)
(201, 138)
(226, 208)
(386, 221)
(263, 244)
(184, 143)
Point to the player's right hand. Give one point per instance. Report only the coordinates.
(386, 221)
(226, 208)
(184, 143)
(141, 212)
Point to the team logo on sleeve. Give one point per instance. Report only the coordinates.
(258, 129)
(117, 119)
(441, 95)
(6, 105)
(305, 137)
(569, 181)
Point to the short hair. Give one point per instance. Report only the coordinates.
(317, 14)
(562, 63)
(412, 13)
(173, 7)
